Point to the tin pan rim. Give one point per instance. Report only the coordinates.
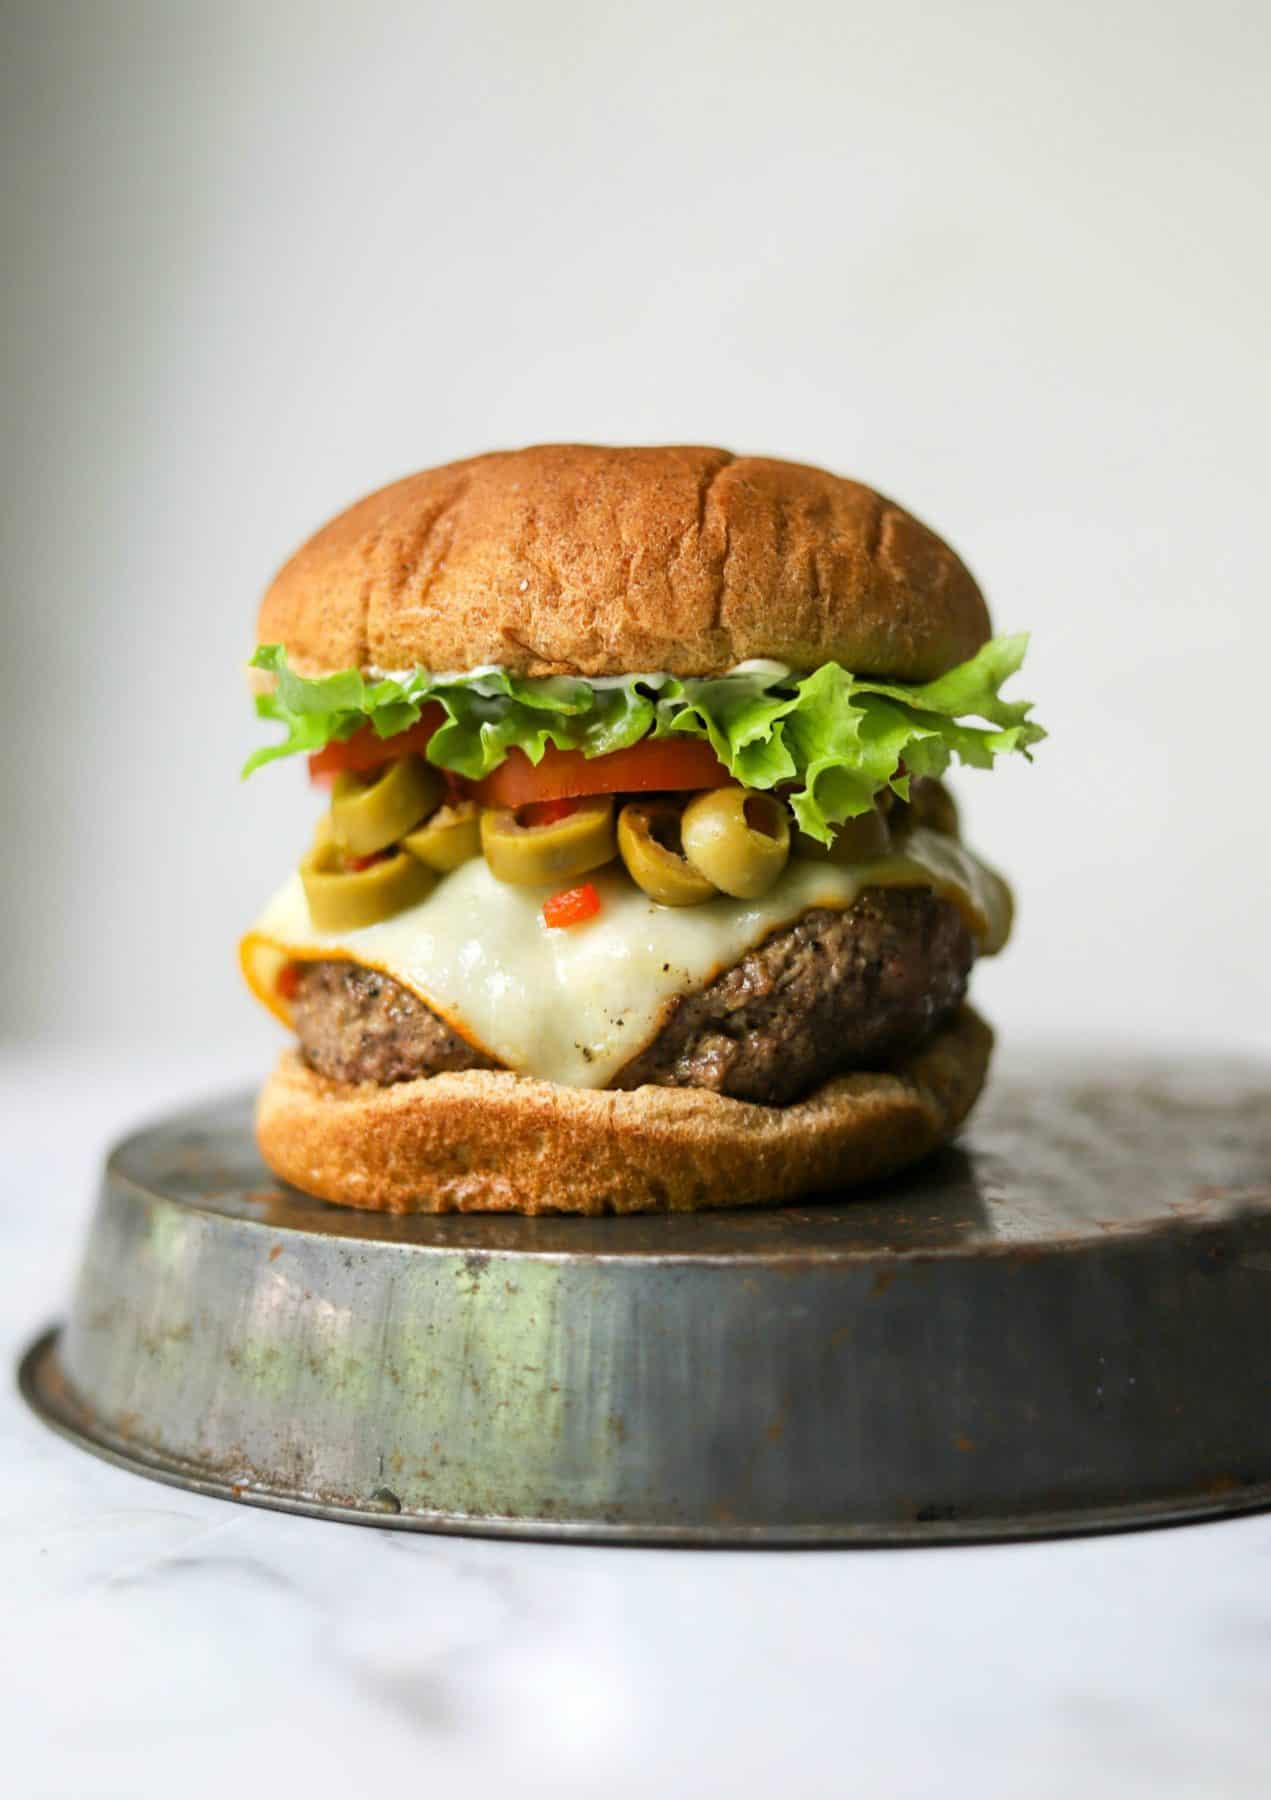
(43, 1387)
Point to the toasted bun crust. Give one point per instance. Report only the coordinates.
(490, 1142)
(575, 559)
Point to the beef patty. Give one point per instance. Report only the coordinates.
(357, 1025)
(837, 990)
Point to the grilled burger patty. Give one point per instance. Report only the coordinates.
(837, 990)
(357, 1025)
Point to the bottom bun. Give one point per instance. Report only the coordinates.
(484, 1141)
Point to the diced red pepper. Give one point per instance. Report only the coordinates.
(289, 981)
(545, 812)
(571, 906)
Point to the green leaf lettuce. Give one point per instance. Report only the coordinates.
(830, 740)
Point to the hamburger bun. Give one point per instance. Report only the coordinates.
(571, 559)
(482, 1141)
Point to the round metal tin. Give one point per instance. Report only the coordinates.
(1063, 1324)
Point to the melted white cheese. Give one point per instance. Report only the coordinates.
(574, 1005)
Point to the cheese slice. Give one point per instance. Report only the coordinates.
(574, 1005)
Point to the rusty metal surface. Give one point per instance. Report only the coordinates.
(1063, 1324)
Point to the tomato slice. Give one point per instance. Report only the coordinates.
(364, 750)
(655, 764)
(571, 906)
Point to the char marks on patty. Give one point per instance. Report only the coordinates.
(838, 990)
(355, 1024)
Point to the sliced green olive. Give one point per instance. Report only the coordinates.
(370, 814)
(649, 843)
(447, 840)
(856, 840)
(932, 805)
(344, 899)
(531, 855)
(738, 839)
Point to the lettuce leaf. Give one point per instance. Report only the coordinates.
(830, 740)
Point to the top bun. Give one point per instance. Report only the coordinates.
(572, 559)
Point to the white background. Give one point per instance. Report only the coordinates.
(1009, 262)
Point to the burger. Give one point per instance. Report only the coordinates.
(637, 886)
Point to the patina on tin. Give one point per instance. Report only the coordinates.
(1064, 1324)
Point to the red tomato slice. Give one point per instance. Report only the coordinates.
(655, 764)
(571, 906)
(366, 751)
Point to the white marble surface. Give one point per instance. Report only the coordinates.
(158, 1644)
